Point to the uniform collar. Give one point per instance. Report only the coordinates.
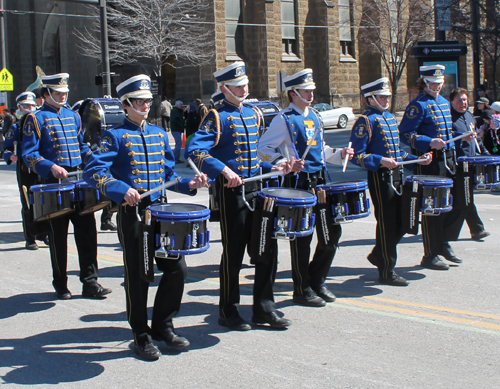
(133, 125)
(49, 108)
(376, 109)
(304, 112)
(232, 105)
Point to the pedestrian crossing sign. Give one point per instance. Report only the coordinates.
(6, 81)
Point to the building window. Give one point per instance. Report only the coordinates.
(288, 30)
(234, 31)
(345, 29)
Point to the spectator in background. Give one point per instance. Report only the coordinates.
(481, 105)
(481, 92)
(193, 119)
(166, 109)
(177, 128)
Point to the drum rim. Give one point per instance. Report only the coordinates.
(82, 184)
(443, 182)
(341, 186)
(477, 159)
(202, 214)
(65, 187)
(311, 200)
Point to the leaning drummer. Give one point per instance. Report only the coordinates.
(375, 139)
(53, 146)
(132, 158)
(427, 126)
(288, 136)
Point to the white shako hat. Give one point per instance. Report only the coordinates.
(234, 74)
(137, 87)
(300, 80)
(26, 98)
(379, 87)
(217, 96)
(432, 73)
(56, 82)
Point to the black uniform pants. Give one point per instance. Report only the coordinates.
(170, 289)
(86, 244)
(27, 179)
(387, 204)
(236, 227)
(438, 230)
(313, 274)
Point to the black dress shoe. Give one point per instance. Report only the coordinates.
(235, 323)
(372, 259)
(480, 235)
(448, 253)
(433, 263)
(272, 319)
(108, 226)
(309, 299)
(31, 245)
(95, 291)
(394, 279)
(63, 293)
(325, 294)
(147, 350)
(170, 338)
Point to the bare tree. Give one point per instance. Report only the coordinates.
(169, 32)
(390, 28)
(488, 28)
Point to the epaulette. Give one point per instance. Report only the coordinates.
(368, 126)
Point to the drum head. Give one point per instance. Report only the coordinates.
(179, 211)
(480, 159)
(434, 181)
(288, 196)
(344, 186)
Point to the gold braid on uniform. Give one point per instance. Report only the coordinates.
(258, 117)
(217, 125)
(368, 126)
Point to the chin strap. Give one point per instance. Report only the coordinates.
(308, 102)
(55, 102)
(240, 99)
(139, 112)
(432, 92)
(378, 104)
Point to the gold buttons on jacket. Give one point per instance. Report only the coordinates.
(129, 144)
(136, 171)
(240, 159)
(133, 163)
(131, 154)
(126, 136)
(137, 180)
(241, 167)
(238, 151)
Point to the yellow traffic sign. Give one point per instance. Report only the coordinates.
(6, 81)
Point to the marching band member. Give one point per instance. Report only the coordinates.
(135, 157)
(53, 146)
(292, 130)
(25, 177)
(225, 147)
(375, 139)
(427, 126)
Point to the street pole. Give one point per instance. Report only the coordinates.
(475, 47)
(2, 34)
(106, 70)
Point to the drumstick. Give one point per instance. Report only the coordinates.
(346, 158)
(167, 184)
(420, 160)
(464, 135)
(147, 217)
(193, 166)
(77, 173)
(264, 176)
(310, 144)
(15, 148)
(286, 153)
(25, 191)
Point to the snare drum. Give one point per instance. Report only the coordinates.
(292, 210)
(487, 170)
(435, 191)
(52, 200)
(180, 229)
(89, 199)
(348, 200)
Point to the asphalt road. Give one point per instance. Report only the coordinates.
(442, 331)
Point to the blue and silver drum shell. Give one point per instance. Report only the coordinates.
(293, 211)
(486, 170)
(435, 191)
(180, 229)
(89, 199)
(52, 200)
(348, 199)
